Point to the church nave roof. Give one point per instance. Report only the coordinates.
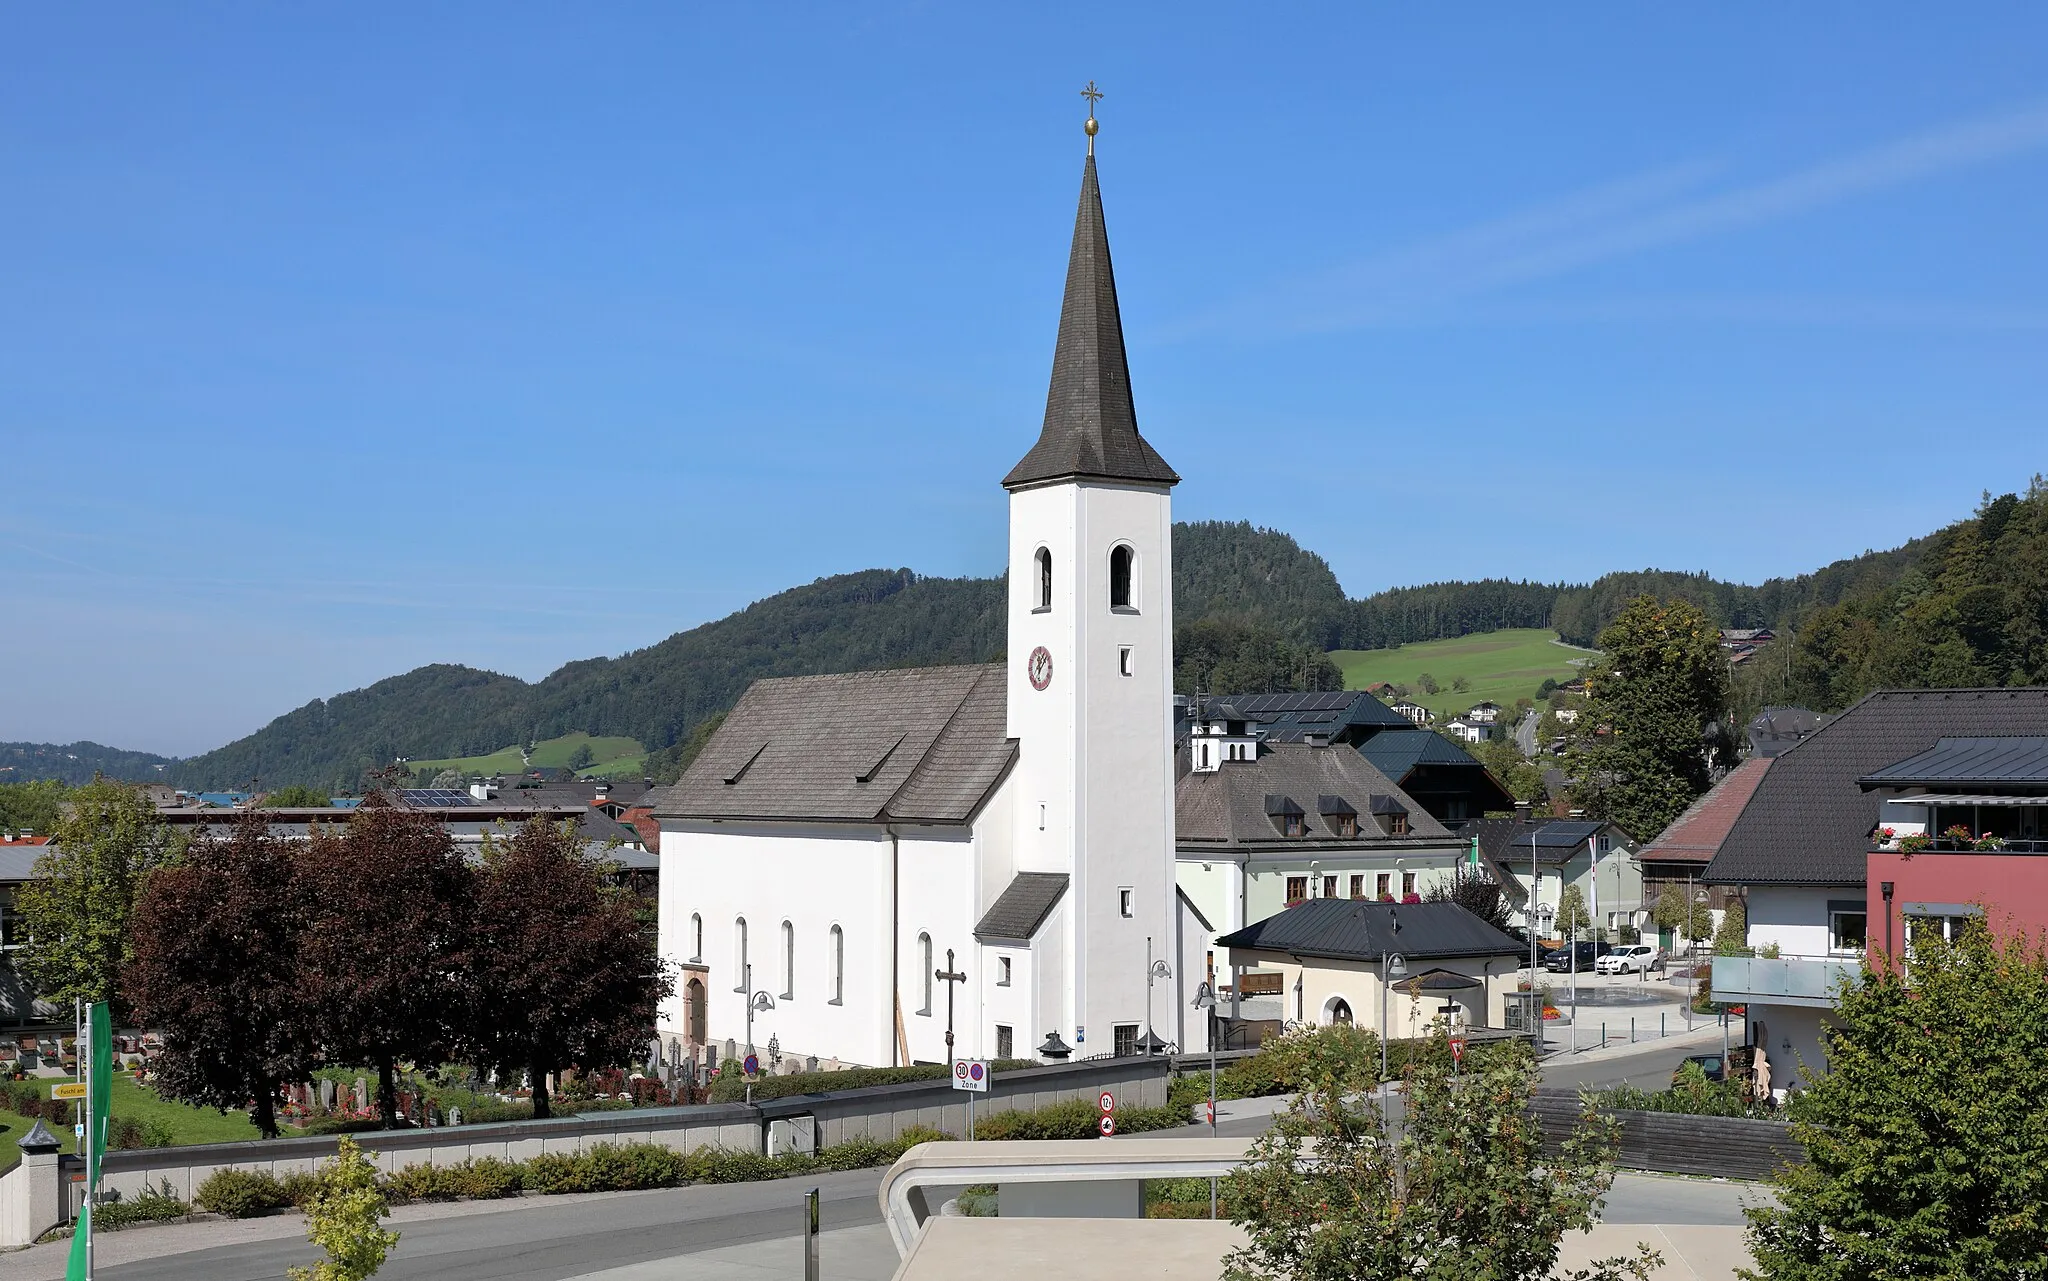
(920, 744)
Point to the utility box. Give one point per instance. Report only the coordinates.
(1524, 1013)
(798, 1134)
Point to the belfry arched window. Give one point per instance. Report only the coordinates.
(838, 966)
(924, 952)
(1043, 563)
(697, 937)
(1121, 564)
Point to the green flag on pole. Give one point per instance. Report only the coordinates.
(100, 1083)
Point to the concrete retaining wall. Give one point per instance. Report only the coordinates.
(880, 1112)
(1719, 1146)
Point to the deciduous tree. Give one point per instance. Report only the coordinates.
(386, 953)
(1465, 1191)
(298, 796)
(565, 972)
(76, 910)
(215, 970)
(342, 1219)
(1572, 915)
(1926, 1137)
(1637, 749)
(1475, 892)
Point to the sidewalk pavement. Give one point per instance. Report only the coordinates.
(1558, 1050)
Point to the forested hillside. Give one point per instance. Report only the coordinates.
(77, 762)
(1969, 608)
(1252, 609)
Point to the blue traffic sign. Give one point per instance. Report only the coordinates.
(751, 1065)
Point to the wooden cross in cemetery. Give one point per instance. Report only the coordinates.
(949, 976)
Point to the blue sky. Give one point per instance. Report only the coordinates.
(341, 339)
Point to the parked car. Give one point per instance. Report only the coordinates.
(1589, 954)
(1713, 1065)
(1630, 959)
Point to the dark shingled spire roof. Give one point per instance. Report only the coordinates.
(1091, 428)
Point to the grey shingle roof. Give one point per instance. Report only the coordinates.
(915, 744)
(1091, 425)
(1234, 805)
(1344, 929)
(1960, 761)
(1809, 823)
(1022, 907)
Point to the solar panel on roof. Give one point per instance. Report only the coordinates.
(435, 798)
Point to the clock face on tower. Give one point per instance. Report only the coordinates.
(1039, 668)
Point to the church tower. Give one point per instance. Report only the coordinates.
(1090, 686)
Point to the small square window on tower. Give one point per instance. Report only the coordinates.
(1124, 905)
(1123, 661)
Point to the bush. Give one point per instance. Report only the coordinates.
(125, 1132)
(145, 1207)
(478, 1179)
(240, 1194)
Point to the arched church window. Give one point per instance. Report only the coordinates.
(924, 952)
(1120, 564)
(697, 937)
(788, 960)
(838, 966)
(1044, 562)
(743, 971)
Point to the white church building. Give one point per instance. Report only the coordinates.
(844, 839)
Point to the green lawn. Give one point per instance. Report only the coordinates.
(1501, 666)
(190, 1125)
(554, 753)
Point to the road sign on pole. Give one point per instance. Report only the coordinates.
(970, 1074)
(751, 1065)
(68, 1090)
(1107, 1102)
(1107, 1125)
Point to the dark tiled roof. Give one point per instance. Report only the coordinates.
(914, 744)
(1776, 729)
(1346, 929)
(1397, 751)
(1809, 823)
(1696, 835)
(1091, 425)
(1507, 840)
(1233, 804)
(1022, 907)
(1962, 761)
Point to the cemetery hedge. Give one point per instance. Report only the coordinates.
(629, 1167)
(731, 1085)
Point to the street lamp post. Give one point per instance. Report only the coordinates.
(1205, 1001)
(1158, 969)
(755, 1001)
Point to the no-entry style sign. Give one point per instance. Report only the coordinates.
(970, 1074)
(1107, 1125)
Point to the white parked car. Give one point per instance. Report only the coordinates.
(1631, 958)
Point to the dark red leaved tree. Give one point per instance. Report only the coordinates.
(386, 952)
(214, 968)
(565, 972)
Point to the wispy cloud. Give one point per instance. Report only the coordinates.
(1649, 211)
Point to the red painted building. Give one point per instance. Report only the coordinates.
(1962, 831)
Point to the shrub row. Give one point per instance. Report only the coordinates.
(147, 1207)
(1075, 1119)
(1260, 1074)
(604, 1167)
(25, 1098)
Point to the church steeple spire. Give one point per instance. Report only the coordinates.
(1091, 426)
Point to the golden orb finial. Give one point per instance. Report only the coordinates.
(1092, 94)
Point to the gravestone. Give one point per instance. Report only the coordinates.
(455, 1116)
(362, 1094)
(327, 1095)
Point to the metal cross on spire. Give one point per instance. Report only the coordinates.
(1093, 95)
